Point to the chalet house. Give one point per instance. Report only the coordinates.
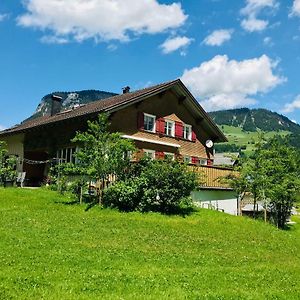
(162, 120)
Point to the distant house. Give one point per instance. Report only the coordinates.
(162, 120)
(214, 193)
(226, 159)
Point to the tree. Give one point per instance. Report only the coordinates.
(102, 154)
(251, 175)
(271, 175)
(282, 179)
(7, 164)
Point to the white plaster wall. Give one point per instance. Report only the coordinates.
(229, 206)
(15, 147)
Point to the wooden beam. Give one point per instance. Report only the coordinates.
(199, 121)
(111, 115)
(161, 94)
(181, 99)
(137, 105)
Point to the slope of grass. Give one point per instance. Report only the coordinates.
(50, 249)
(237, 136)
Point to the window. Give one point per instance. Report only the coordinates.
(66, 155)
(149, 153)
(187, 159)
(128, 155)
(170, 128)
(203, 162)
(149, 122)
(169, 155)
(187, 132)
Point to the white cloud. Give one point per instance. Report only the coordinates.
(2, 127)
(218, 37)
(268, 41)
(51, 39)
(252, 9)
(101, 19)
(253, 24)
(296, 8)
(222, 83)
(290, 107)
(226, 101)
(3, 17)
(112, 47)
(175, 43)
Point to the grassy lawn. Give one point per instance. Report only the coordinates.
(237, 136)
(50, 249)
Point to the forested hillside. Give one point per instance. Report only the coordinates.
(242, 125)
(254, 119)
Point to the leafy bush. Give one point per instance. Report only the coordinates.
(123, 195)
(7, 165)
(158, 185)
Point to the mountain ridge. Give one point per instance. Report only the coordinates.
(253, 120)
(70, 100)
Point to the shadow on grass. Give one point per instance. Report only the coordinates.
(91, 201)
(182, 211)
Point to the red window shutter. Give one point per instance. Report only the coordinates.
(210, 162)
(160, 125)
(140, 121)
(195, 160)
(159, 155)
(193, 136)
(178, 129)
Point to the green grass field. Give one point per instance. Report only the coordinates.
(237, 136)
(50, 249)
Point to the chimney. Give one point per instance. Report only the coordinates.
(56, 104)
(126, 89)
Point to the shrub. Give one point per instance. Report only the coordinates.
(165, 184)
(123, 195)
(7, 165)
(158, 185)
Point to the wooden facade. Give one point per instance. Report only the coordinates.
(44, 138)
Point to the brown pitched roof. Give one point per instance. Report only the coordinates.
(109, 104)
(90, 108)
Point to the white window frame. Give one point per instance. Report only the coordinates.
(172, 155)
(154, 122)
(65, 155)
(187, 159)
(189, 137)
(128, 155)
(202, 161)
(149, 153)
(167, 122)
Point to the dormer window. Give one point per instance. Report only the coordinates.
(149, 122)
(169, 128)
(187, 132)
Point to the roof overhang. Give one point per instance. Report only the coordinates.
(141, 139)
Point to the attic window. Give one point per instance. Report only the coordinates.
(187, 132)
(169, 128)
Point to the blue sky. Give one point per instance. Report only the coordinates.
(239, 53)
